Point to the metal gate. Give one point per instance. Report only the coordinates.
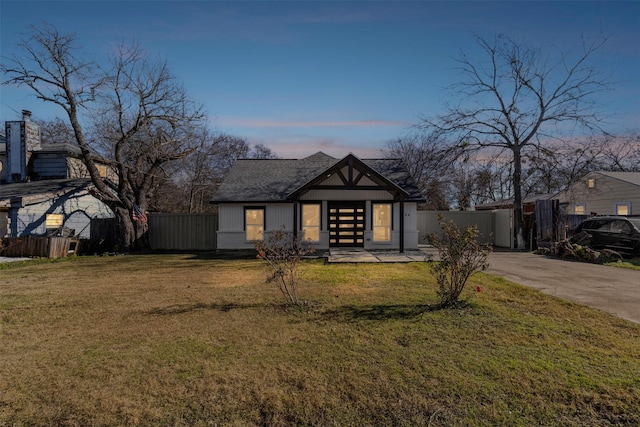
(346, 224)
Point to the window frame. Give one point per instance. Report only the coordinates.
(264, 221)
(620, 204)
(373, 220)
(302, 218)
(580, 205)
(51, 217)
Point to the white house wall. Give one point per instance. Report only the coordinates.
(411, 232)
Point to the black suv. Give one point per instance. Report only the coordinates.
(618, 233)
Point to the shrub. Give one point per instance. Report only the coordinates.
(283, 252)
(461, 255)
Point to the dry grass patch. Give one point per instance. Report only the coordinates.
(178, 340)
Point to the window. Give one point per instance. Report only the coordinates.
(580, 209)
(311, 222)
(382, 222)
(254, 223)
(620, 227)
(102, 170)
(54, 221)
(623, 208)
(591, 183)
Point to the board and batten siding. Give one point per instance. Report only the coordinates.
(347, 195)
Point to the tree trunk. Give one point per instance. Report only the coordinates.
(518, 219)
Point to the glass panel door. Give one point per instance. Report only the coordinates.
(346, 224)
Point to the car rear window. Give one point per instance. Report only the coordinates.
(635, 221)
(596, 224)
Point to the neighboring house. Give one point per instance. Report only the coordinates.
(44, 188)
(528, 204)
(603, 193)
(326, 201)
(50, 207)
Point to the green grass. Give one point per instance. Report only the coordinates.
(181, 340)
(632, 264)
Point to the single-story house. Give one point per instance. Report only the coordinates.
(326, 201)
(603, 193)
(54, 206)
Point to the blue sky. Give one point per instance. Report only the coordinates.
(335, 76)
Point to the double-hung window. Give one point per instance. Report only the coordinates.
(311, 222)
(381, 222)
(254, 223)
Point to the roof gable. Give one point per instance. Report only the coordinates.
(352, 173)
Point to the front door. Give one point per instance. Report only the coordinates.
(346, 224)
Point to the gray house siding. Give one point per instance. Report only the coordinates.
(26, 206)
(51, 165)
(76, 209)
(607, 193)
(231, 233)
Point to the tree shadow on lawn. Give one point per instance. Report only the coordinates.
(379, 312)
(187, 308)
(346, 313)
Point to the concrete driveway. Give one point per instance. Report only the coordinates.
(611, 289)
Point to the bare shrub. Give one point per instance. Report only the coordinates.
(461, 255)
(283, 253)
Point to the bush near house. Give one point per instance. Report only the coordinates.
(460, 255)
(283, 253)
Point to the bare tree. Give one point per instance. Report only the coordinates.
(621, 153)
(429, 162)
(518, 97)
(144, 118)
(56, 131)
(200, 174)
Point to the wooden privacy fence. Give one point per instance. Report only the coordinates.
(553, 224)
(183, 232)
(495, 226)
(44, 247)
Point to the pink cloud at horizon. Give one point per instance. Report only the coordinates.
(268, 123)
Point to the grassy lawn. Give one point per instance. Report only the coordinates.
(173, 340)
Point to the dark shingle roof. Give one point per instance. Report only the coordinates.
(273, 180)
(40, 189)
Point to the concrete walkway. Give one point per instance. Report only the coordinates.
(361, 255)
(12, 259)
